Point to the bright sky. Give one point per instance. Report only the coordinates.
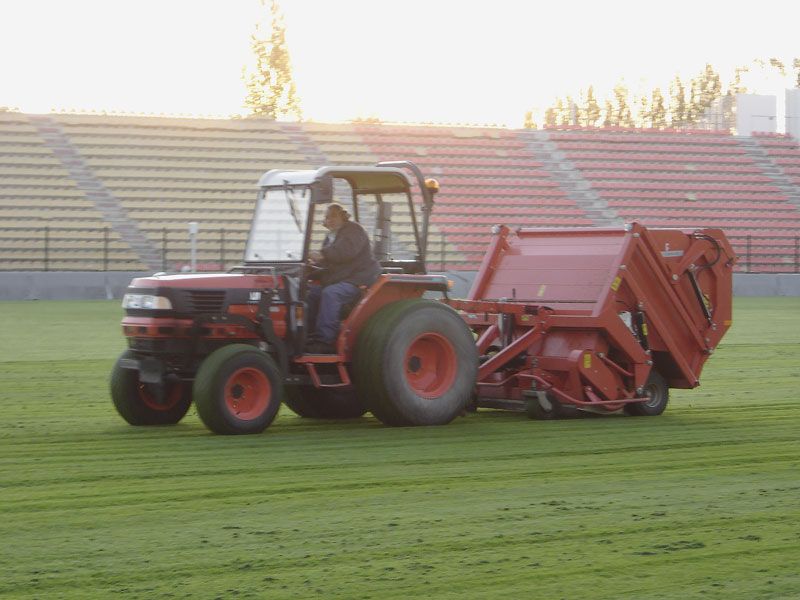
(467, 61)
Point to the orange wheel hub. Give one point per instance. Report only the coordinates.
(247, 393)
(431, 365)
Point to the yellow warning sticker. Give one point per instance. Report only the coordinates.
(587, 361)
(727, 323)
(615, 284)
(524, 318)
(542, 288)
(644, 328)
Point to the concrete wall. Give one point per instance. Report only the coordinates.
(756, 113)
(62, 285)
(793, 113)
(760, 284)
(111, 285)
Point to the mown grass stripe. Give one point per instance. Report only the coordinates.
(698, 503)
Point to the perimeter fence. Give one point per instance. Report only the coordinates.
(55, 248)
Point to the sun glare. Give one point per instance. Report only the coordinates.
(427, 61)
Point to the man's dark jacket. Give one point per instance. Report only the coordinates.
(349, 257)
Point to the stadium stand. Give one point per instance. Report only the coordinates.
(692, 178)
(332, 144)
(44, 215)
(103, 192)
(166, 172)
(487, 177)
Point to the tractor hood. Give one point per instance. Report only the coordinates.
(190, 294)
(202, 280)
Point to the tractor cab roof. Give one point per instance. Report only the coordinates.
(363, 180)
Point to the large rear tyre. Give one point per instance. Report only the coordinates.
(657, 393)
(315, 403)
(238, 390)
(142, 403)
(415, 363)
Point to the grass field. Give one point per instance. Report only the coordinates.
(701, 502)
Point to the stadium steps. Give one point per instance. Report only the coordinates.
(570, 179)
(770, 168)
(305, 144)
(314, 155)
(105, 202)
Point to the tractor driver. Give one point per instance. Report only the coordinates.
(347, 262)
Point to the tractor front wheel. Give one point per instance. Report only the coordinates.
(144, 403)
(238, 390)
(415, 363)
(657, 393)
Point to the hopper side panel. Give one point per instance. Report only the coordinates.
(676, 345)
(556, 267)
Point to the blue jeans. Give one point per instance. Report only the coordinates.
(323, 306)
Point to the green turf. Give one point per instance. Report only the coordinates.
(701, 502)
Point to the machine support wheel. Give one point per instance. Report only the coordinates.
(238, 390)
(415, 363)
(542, 407)
(143, 403)
(318, 403)
(657, 393)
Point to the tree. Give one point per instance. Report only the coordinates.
(529, 122)
(592, 110)
(711, 87)
(270, 88)
(738, 87)
(693, 107)
(644, 117)
(658, 112)
(572, 112)
(609, 120)
(622, 111)
(678, 116)
(562, 108)
(683, 107)
(551, 114)
(778, 65)
(727, 108)
(705, 88)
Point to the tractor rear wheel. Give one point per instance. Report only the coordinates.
(657, 393)
(142, 403)
(317, 403)
(415, 363)
(238, 390)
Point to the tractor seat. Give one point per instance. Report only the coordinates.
(348, 307)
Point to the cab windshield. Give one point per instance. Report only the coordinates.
(278, 228)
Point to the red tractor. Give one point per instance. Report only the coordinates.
(233, 342)
(602, 320)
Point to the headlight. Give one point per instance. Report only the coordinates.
(146, 301)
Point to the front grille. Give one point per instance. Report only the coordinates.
(206, 301)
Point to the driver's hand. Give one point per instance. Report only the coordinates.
(315, 256)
